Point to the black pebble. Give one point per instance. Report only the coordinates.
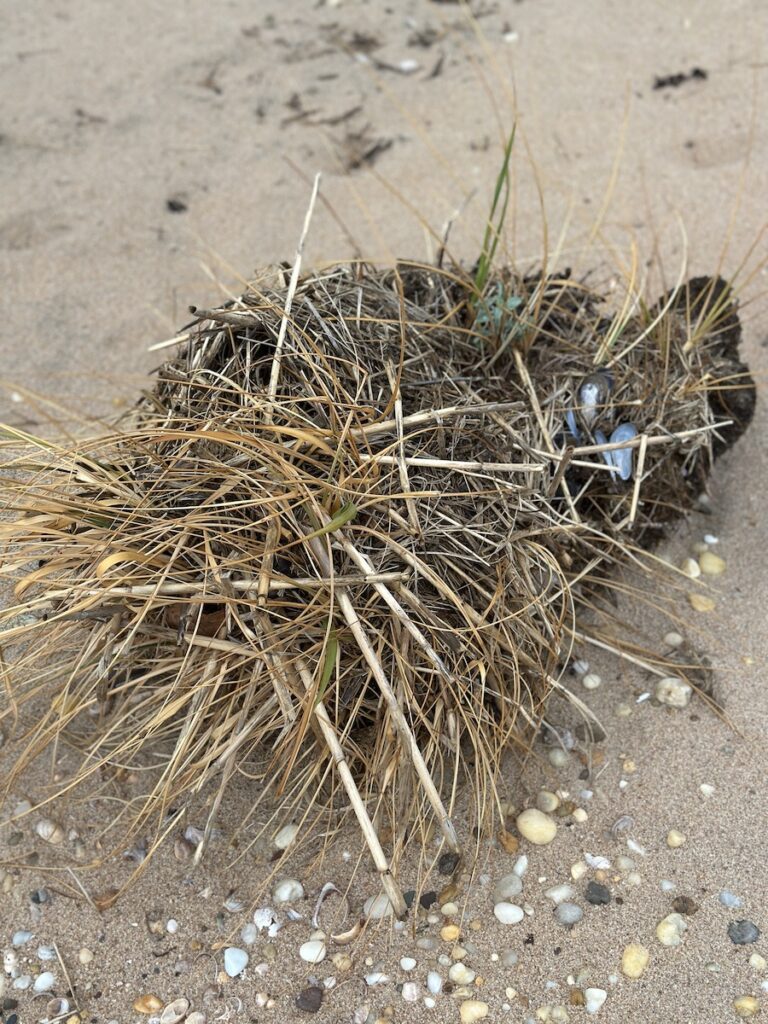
(684, 905)
(175, 206)
(309, 999)
(9, 1003)
(409, 897)
(447, 863)
(598, 894)
(12, 1019)
(428, 899)
(742, 933)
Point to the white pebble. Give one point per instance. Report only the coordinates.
(508, 913)
(44, 982)
(580, 667)
(449, 909)
(673, 692)
(288, 891)
(407, 963)
(591, 681)
(666, 885)
(690, 567)
(235, 961)
(558, 757)
(376, 978)
(673, 639)
(22, 982)
(434, 983)
(460, 974)
(707, 790)
(728, 899)
(675, 839)
(671, 929)
(20, 938)
(249, 934)
(758, 963)
(377, 907)
(313, 952)
(578, 870)
(536, 827)
(429, 1002)
(568, 914)
(171, 926)
(520, 866)
(411, 992)
(286, 836)
(46, 953)
(594, 999)
(560, 893)
(580, 815)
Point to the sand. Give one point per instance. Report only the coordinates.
(225, 112)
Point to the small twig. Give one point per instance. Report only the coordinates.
(280, 343)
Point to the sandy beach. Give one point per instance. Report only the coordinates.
(153, 157)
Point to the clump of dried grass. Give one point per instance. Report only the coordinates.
(347, 538)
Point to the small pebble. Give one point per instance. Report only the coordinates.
(701, 602)
(449, 909)
(568, 914)
(196, 1017)
(450, 932)
(508, 913)
(249, 934)
(407, 963)
(560, 893)
(376, 978)
(310, 999)
(235, 961)
(50, 831)
(536, 827)
(313, 952)
(378, 907)
(594, 999)
(673, 639)
(434, 983)
(286, 836)
(507, 888)
(288, 890)
(728, 899)
(44, 982)
(691, 568)
(673, 692)
(743, 933)
(460, 974)
(675, 839)
(685, 905)
(472, 1010)
(447, 863)
(547, 802)
(20, 938)
(148, 1003)
(558, 757)
(634, 960)
(591, 681)
(746, 1006)
(670, 930)
(597, 894)
(707, 790)
(520, 866)
(411, 992)
(578, 870)
(711, 564)
(580, 667)
(85, 956)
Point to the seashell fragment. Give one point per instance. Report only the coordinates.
(621, 458)
(50, 831)
(594, 392)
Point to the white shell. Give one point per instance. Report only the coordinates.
(50, 831)
(175, 1011)
(44, 982)
(377, 907)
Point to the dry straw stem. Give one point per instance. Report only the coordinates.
(344, 546)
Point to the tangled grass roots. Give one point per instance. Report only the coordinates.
(355, 550)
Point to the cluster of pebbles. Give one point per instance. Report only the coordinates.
(439, 956)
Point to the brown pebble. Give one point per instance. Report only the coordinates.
(510, 843)
(450, 932)
(576, 997)
(684, 905)
(148, 1003)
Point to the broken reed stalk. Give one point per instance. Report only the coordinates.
(351, 533)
